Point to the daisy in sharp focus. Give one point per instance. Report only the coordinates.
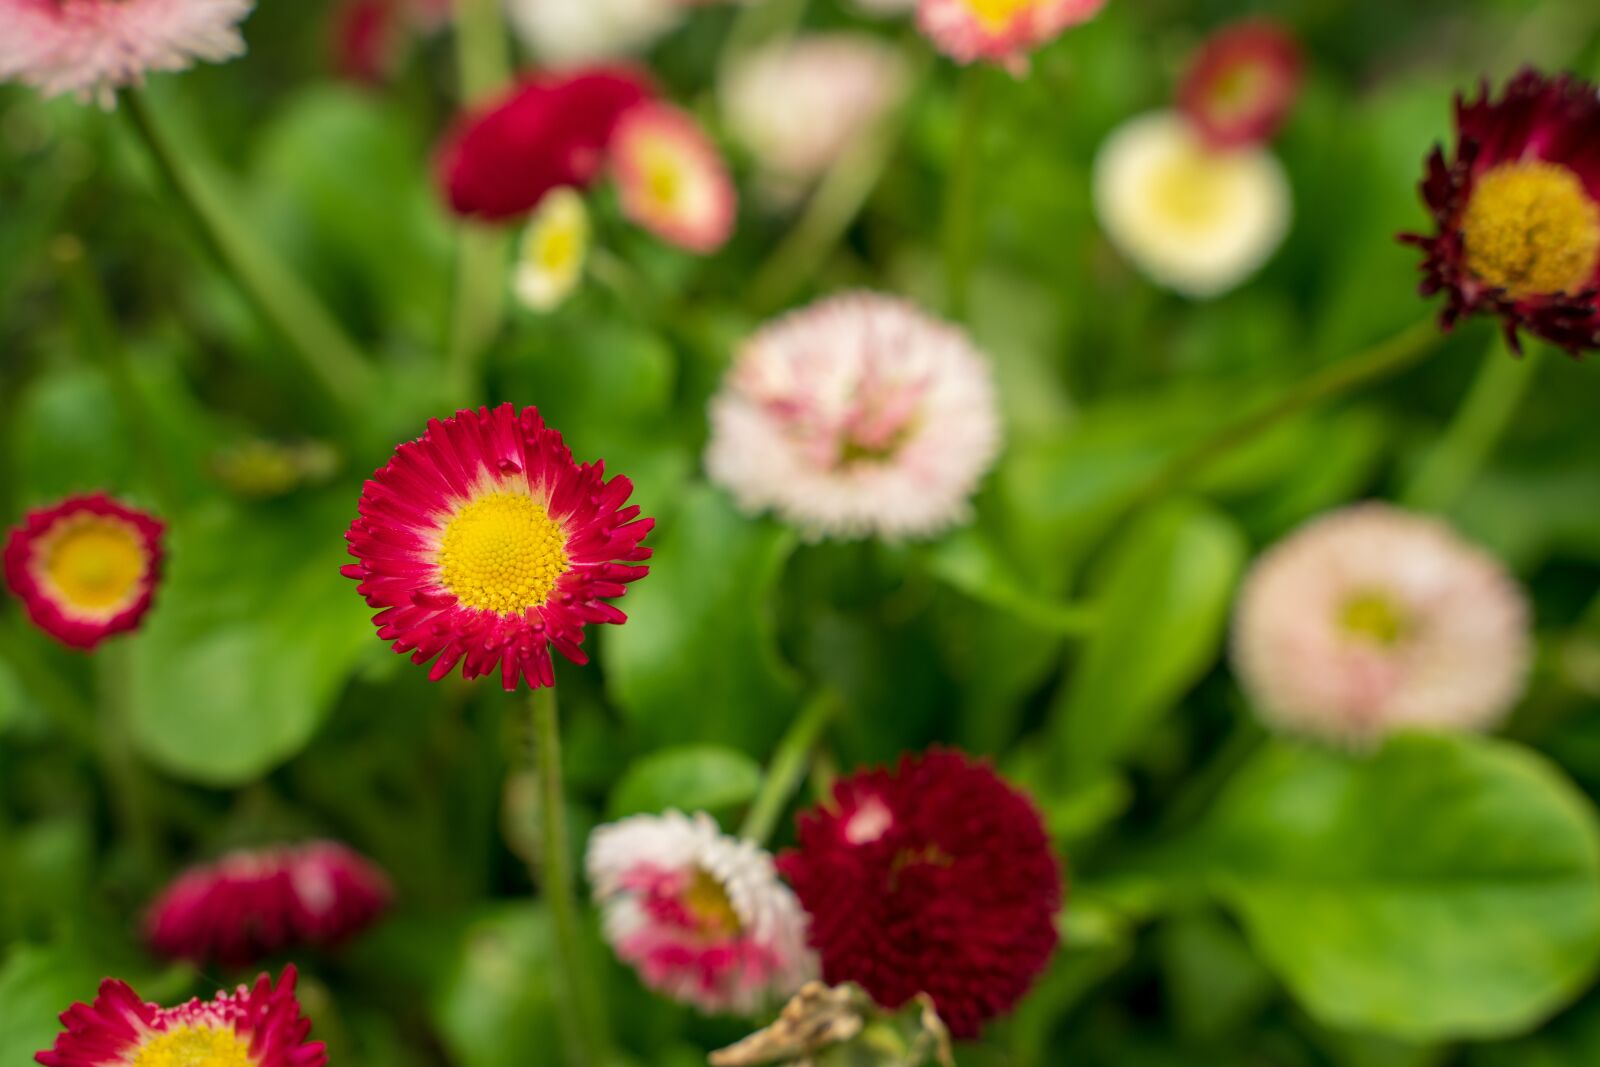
(999, 31)
(1517, 212)
(1373, 619)
(552, 252)
(485, 544)
(936, 877)
(254, 1026)
(1193, 218)
(857, 416)
(700, 915)
(671, 179)
(86, 568)
(92, 48)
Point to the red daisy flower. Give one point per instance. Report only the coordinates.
(86, 568)
(500, 161)
(259, 1026)
(1242, 83)
(1518, 212)
(935, 878)
(251, 904)
(484, 543)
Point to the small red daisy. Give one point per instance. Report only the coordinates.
(86, 568)
(251, 904)
(485, 544)
(1518, 212)
(553, 131)
(1242, 83)
(254, 1026)
(936, 878)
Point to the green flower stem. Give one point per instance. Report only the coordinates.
(330, 360)
(60, 701)
(1477, 427)
(1383, 360)
(483, 60)
(589, 1045)
(788, 766)
(961, 193)
(134, 800)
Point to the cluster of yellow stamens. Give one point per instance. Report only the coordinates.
(708, 902)
(1532, 229)
(1374, 617)
(996, 15)
(92, 562)
(502, 553)
(195, 1046)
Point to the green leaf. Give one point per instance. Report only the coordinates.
(692, 778)
(1446, 887)
(37, 984)
(1161, 615)
(252, 639)
(496, 1006)
(696, 660)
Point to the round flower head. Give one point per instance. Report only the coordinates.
(499, 162)
(799, 105)
(1194, 219)
(857, 416)
(700, 915)
(253, 904)
(91, 48)
(564, 33)
(1373, 619)
(554, 247)
(935, 878)
(485, 544)
(1517, 209)
(999, 31)
(86, 568)
(254, 1026)
(1241, 85)
(672, 180)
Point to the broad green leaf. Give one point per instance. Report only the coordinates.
(37, 984)
(696, 660)
(691, 778)
(252, 639)
(497, 1005)
(1446, 887)
(1160, 617)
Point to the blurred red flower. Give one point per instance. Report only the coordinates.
(1242, 83)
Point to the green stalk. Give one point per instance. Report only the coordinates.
(961, 193)
(59, 700)
(588, 1042)
(1474, 431)
(1383, 360)
(788, 767)
(133, 801)
(329, 359)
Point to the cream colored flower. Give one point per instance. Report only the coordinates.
(552, 252)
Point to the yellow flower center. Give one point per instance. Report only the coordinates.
(1375, 618)
(663, 176)
(195, 1046)
(502, 553)
(996, 15)
(1238, 90)
(708, 902)
(1532, 229)
(93, 562)
(1192, 187)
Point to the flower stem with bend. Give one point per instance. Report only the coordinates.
(788, 766)
(589, 1046)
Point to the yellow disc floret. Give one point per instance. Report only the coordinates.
(502, 553)
(1375, 618)
(94, 563)
(996, 15)
(195, 1046)
(1532, 229)
(664, 177)
(708, 902)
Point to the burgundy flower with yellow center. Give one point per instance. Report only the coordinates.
(86, 568)
(254, 1026)
(1242, 83)
(1518, 212)
(935, 878)
(485, 544)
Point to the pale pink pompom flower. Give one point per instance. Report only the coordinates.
(701, 916)
(999, 31)
(1373, 619)
(858, 416)
(91, 48)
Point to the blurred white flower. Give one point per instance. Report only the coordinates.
(860, 415)
(552, 252)
(798, 105)
(564, 33)
(1194, 219)
(1373, 619)
(700, 915)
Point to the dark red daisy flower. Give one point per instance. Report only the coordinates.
(486, 544)
(937, 878)
(1242, 83)
(1518, 211)
(552, 131)
(366, 40)
(251, 904)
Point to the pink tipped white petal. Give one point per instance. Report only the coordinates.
(671, 178)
